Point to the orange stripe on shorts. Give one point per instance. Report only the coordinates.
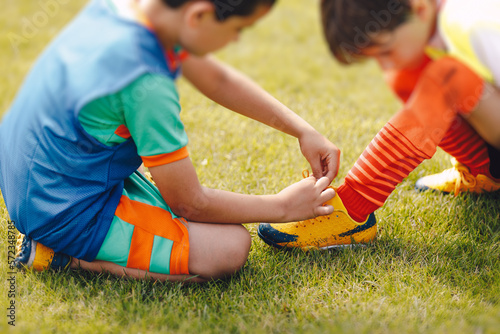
(179, 256)
(152, 220)
(140, 249)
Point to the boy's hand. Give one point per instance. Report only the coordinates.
(305, 199)
(322, 155)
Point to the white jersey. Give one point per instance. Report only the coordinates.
(471, 33)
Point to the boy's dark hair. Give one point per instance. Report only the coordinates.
(350, 25)
(227, 8)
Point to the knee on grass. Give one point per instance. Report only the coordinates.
(226, 256)
(237, 247)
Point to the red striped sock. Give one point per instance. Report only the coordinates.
(388, 159)
(462, 142)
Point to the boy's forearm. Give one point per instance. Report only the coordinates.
(219, 206)
(302, 200)
(181, 190)
(186, 197)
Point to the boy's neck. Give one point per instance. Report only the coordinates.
(153, 14)
(165, 22)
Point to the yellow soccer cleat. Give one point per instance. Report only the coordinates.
(323, 232)
(457, 179)
(32, 254)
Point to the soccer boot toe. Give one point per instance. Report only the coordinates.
(335, 230)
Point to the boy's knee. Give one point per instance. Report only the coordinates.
(238, 248)
(235, 250)
(459, 83)
(218, 250)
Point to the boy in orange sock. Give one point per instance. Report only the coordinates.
(441, 59)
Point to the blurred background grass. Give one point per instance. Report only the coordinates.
(434, 269)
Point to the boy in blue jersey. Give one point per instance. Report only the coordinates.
(100, 102)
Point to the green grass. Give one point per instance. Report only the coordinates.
(434, 269)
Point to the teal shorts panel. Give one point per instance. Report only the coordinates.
(116, 245)
(119, 246)
(159, 262)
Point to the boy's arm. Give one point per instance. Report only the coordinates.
(179, 186)
(233, 90)
(153, 122)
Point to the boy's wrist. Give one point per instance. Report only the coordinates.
(306, 131)
(279, 204)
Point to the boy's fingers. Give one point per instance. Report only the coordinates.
(327, 168)
(333, 166)
(333, 169)
(323, 182)
(327, 195)
(330, 173)
(317, 169)
(324, 210)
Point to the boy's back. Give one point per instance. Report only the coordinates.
(50, 155)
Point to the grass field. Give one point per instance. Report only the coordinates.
(434, 269)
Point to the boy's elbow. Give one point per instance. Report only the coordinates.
(191, 209)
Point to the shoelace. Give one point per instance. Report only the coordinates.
(464, 177)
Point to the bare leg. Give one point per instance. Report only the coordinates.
(486, 118)
(216, 251)
(112, 268)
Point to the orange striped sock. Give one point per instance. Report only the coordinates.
(461, 141)
(403, 82)
(444, 89)
(388, 159)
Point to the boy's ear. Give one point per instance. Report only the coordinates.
(422, 8)
(196, 11)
